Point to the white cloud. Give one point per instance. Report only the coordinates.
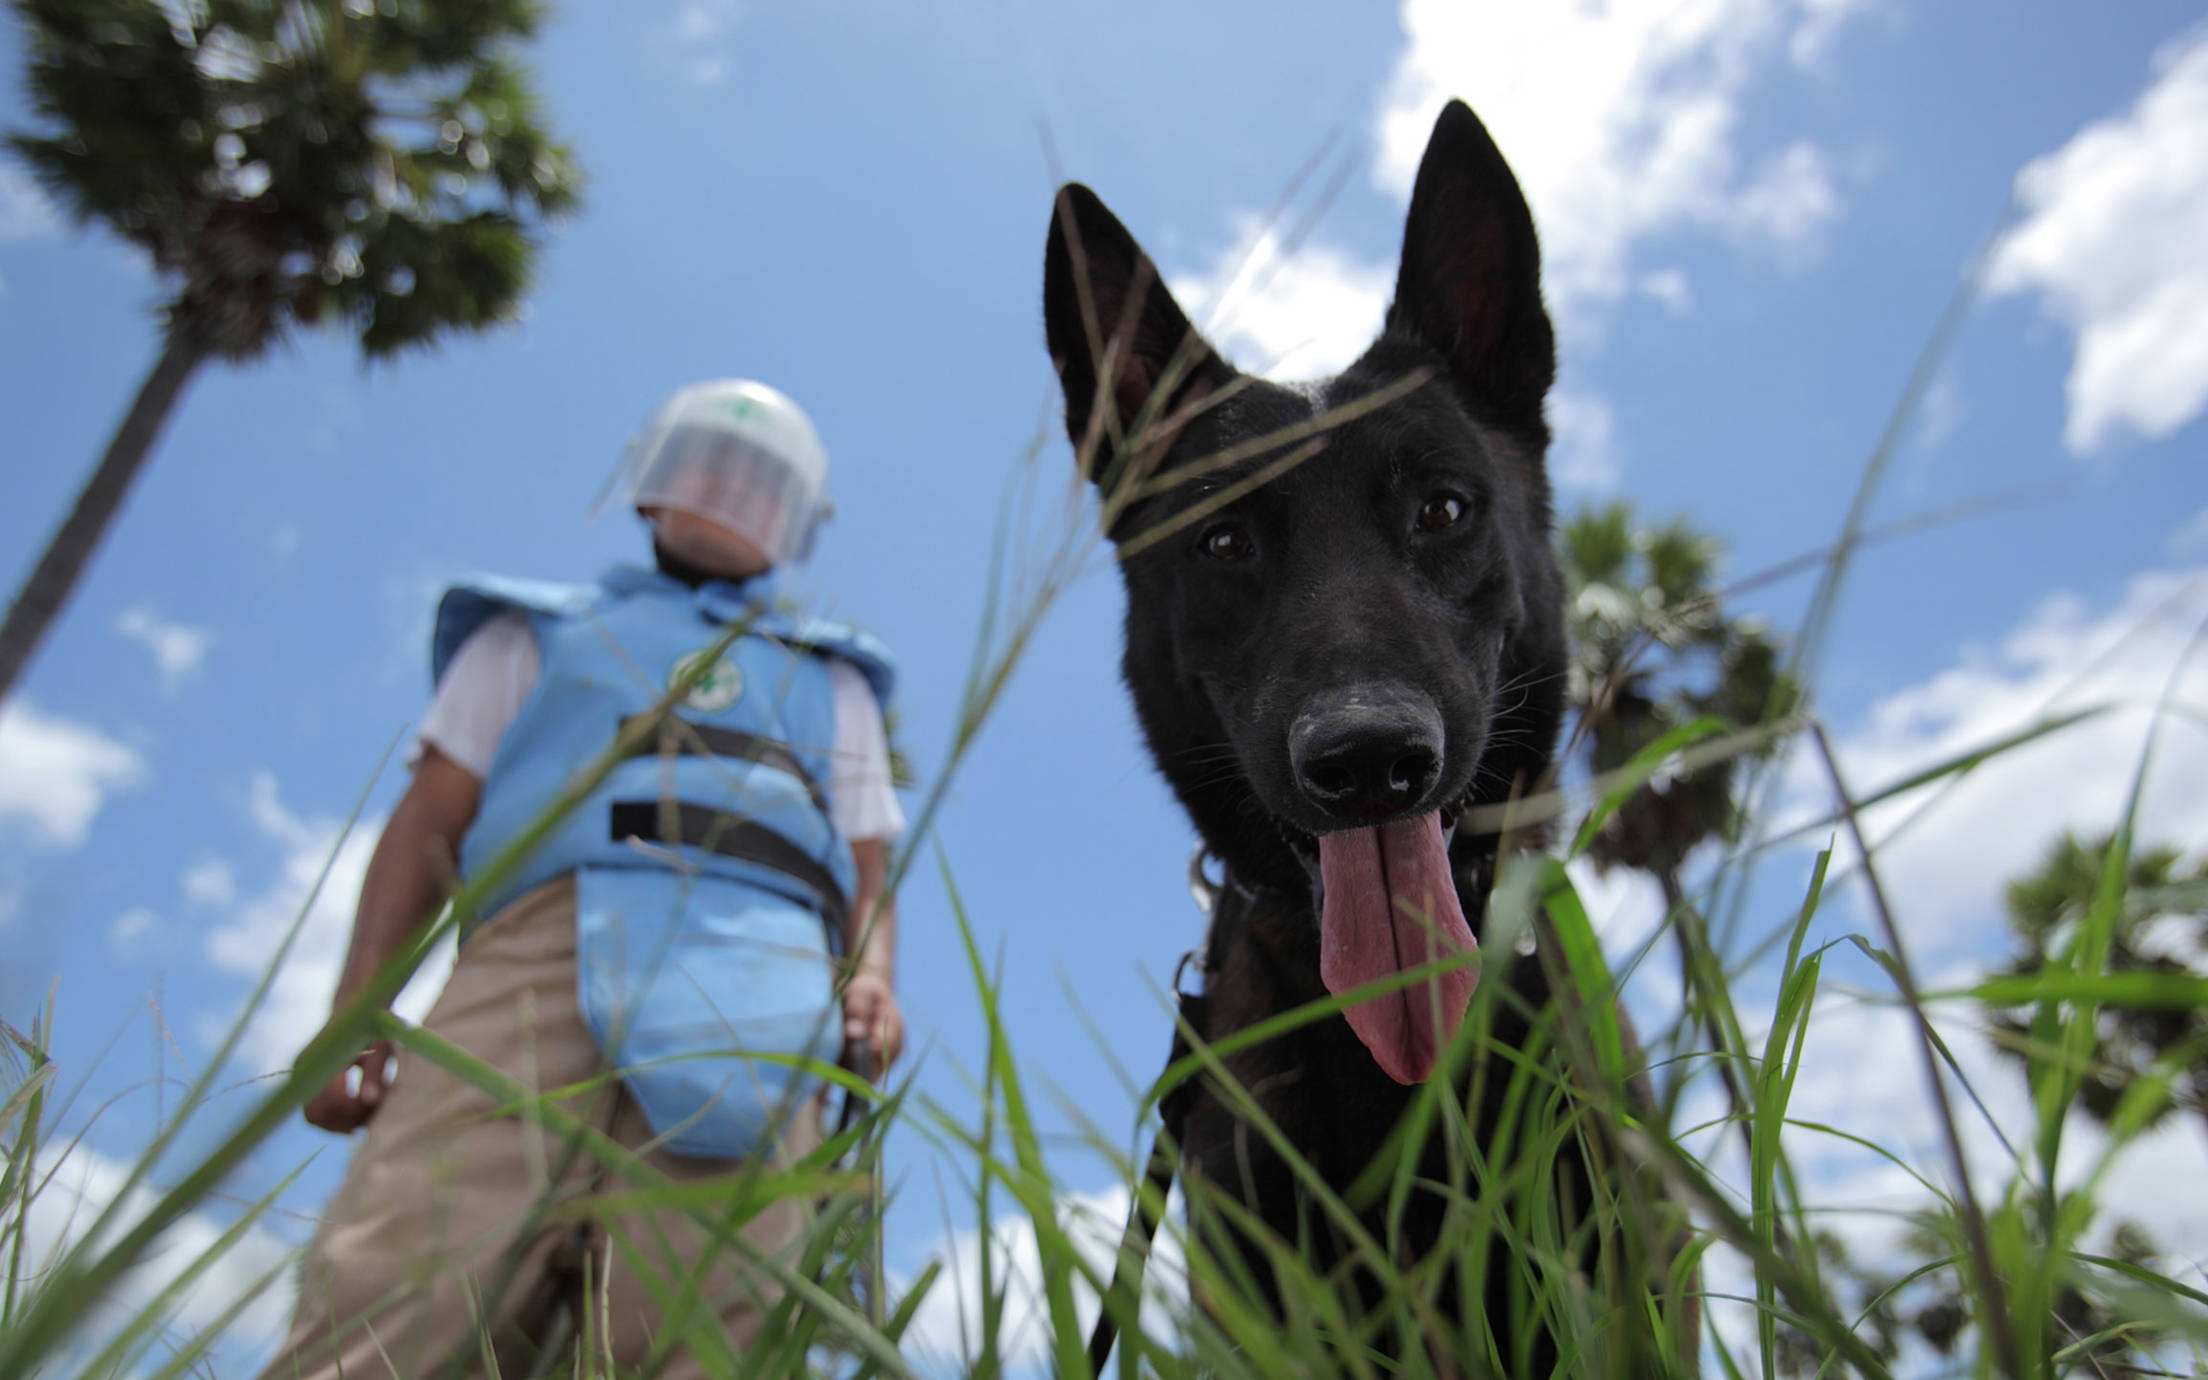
(25, 213)
(177, 649)
(1862, 1071)
(1623, 905)
(694, 39)
(1822, 20)
(1287, 314)
(1941, 413)
(210, 883)
(1583, 455)
(2192, 538)
(1670, 287)
(2170, 1154)
(298, 1002)
(127, 934)
(55, 773)
(1848, 1035)
(1627, 910)
(1945, 874)
(265, 807)
(409, 616)
(945, 1333)
(285, 539)
(1621, 121)
(2114, 240)
(78, 1187)
(1946, 868)
(1788, 205)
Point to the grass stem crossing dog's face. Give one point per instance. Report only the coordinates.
(1344, 621)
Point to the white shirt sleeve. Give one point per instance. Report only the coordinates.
(482, 691)
(860, 793)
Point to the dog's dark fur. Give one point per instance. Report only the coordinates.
(1405, 563)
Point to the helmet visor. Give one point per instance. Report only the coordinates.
(745, 487)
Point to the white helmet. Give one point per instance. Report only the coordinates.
(741, 454)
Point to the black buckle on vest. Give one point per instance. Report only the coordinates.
(731, 836)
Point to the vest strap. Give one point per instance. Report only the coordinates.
(716, 831)
(688, 739)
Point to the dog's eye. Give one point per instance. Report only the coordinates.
(1228, 541)
(1439, 511)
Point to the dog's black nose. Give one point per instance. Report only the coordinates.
(1366, 752)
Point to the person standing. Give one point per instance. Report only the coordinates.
(714, 899)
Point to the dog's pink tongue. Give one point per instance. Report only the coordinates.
(1391, 904)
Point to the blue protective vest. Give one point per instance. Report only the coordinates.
(711, 883)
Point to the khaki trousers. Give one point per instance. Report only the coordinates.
(435, 1250)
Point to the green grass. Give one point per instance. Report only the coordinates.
(2031, 1236)
(2029, 1240)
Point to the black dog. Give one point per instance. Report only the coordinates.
(1344, 630)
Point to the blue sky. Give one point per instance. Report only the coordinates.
(1753, 211)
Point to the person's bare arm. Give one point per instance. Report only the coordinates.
(870, 1011)
(407, 875)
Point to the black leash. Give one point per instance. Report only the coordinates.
(1148, 1208)
(1157, 1175)
(863, 1062)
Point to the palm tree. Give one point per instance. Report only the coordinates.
(1654, 649)
(377, 167)
(2045, 907)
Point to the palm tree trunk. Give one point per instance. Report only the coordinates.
(55, 576)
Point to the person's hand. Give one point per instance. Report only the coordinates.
(872, 1019)
(344, 1106)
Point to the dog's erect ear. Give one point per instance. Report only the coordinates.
(1111, 322)
(1470, 283)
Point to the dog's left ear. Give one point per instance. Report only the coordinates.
(1470, 282)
